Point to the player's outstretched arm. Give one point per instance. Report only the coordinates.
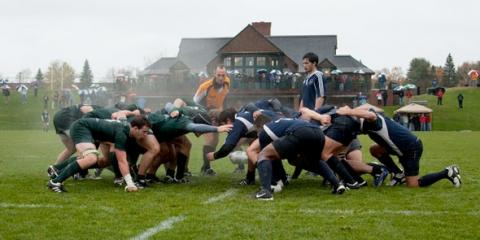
(224, 128)
(360, 113)
(124, 169)
(308, 114)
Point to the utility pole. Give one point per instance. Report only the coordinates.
(51, 79)
(61, 83)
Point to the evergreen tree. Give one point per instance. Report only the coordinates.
(450, 74)
(39, 77)
(86, 78)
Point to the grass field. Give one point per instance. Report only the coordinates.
(218, 208)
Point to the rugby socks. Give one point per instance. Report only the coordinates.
(141, 178)
(181, 163)
(67, 172)
(65, 163)
(326, 172)
(206, 163)
(265, 173)
(278, 172)
(432, 178)
(251, 176)
(338, 167)
(352, 172)
(170, 173)
(389, 164)
(297, 172)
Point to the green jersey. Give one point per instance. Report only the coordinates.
(63, 119)
(102, 113)
(94, 129)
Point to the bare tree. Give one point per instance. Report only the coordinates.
(60, 75)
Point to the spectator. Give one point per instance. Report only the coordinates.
(428, 121)
(384, 97)
(409, 96)
(45, 120)
(361, 99)
(24, 92)
(401, 94)
(404, 120)
(55, 100)
(379, 98)
(35, 89)
(460, 101)
(45, 102)
(141, 102)
(416, 122)
(440, 97)
(6, 92)
(423, 122)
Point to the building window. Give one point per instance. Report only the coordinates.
(249, 61)
(261, 61)
(274, 63)
(238, 61)
(227, 62)
(249, 72)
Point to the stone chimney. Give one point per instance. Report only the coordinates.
(263, 27)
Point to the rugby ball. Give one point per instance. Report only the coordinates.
(238, 157)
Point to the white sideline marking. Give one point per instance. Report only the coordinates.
(228, 193)
(167, 224)
(386, 211)
(13, 205)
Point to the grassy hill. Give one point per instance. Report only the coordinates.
(17, 116)
(448, 117)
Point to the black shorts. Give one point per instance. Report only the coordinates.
(344, 130)
(354, 145)
(411, 158)
(306, 141)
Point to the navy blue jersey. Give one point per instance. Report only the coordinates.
(279, 128)
(263, 104)
(257, 105)
(242, 128)
(312, 89)
(389, 134)
(242, 125)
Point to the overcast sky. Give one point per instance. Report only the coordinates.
(120, 33)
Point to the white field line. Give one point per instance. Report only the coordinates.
(13, 205)
(32, 205)
(386, 211)
(228, 193)
(167, 224)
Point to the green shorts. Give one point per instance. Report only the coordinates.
(80, 134)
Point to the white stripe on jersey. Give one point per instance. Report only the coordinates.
(270, 133)
(383, 133)
(245, 122)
